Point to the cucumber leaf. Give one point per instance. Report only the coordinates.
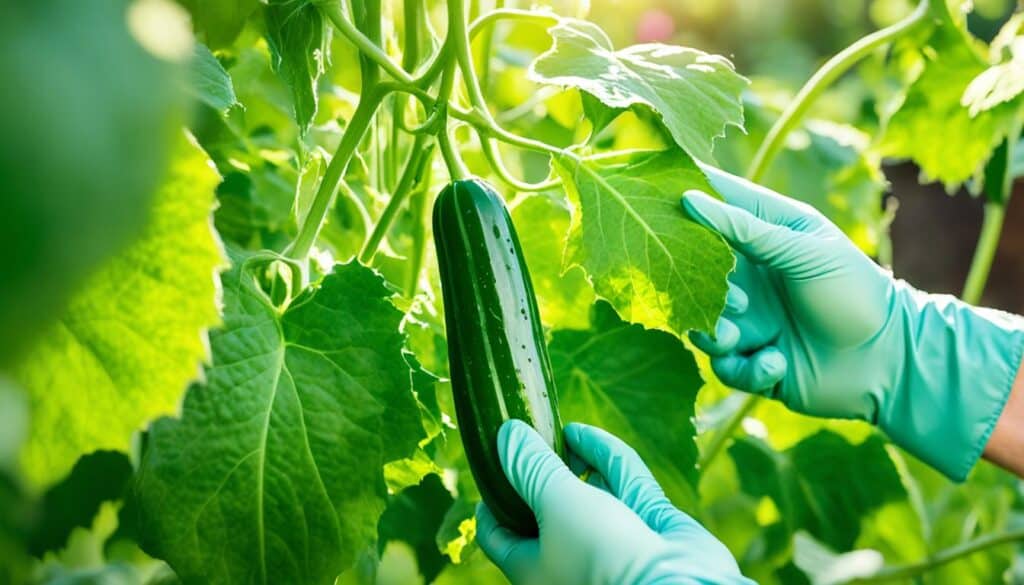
(638, 384)
(642, 254)
(299, 40)
(133, 338)
(219, 23)
(274, 472)
(696, 94)
(90, 119)
(825, 567)
(1004, 81)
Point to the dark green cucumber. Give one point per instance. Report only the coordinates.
(499, 362)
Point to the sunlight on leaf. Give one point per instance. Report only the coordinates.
(696, 94)
(132, 339)
(630, 235)
(951, 65)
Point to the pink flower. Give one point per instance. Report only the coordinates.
(655, 26)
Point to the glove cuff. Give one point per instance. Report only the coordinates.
(957, 373)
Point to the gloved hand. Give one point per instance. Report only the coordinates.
(617, 529)
(829, 333)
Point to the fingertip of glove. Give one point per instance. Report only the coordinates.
(694, 194)
(726, 338)
(737, 301)
(573, 432)
(727, 333)
(575, 427)
(773, 364)
(692, 202)
(512, 428)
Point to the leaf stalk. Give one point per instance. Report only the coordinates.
(943, 557)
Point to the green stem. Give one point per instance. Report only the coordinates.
(398, 147)
(419, 208)
(486, 127)
(412, 14)
(480, 116)
(486, 21)
(420, 155)
(335, 11)
(943, 557)
(722, 437)
(998, 197)
(484, 51)
(822, 79)
(433, 68)
(357, 126)
(456, 168)
(368, 19)
(984, 254)
(490, 128)
(459, 36)
(493, 157)
(412, 11)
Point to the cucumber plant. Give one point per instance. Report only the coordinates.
(266, 397)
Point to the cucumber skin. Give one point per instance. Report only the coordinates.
(497, 353)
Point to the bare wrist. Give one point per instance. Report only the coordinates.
(1005, 447)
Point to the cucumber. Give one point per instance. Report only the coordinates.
(496, 350)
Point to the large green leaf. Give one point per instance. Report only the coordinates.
(639, 385)
(823, 484)
(129, 343)
(630, 235)
(933, 117)
(273, 473)
(696, 94)
(89, 119)
(299, 39)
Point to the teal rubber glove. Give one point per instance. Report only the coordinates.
(616, 528)
(830, 333)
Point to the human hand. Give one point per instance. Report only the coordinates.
(616, 528)
(819, 326)
(813, 310)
